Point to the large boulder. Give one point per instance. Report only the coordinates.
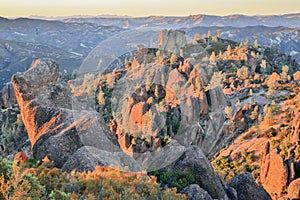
(195, 162)
(247, 188)
(294, 189)
(194, 191)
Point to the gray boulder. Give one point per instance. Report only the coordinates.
(195, 162)
(194, 192)
(247, 188)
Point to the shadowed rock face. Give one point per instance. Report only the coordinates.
(56, 130)
(247, 188)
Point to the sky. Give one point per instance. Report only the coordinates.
(23, 8)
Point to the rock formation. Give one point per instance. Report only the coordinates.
(56, 130)
(274, 172)
(247, 188)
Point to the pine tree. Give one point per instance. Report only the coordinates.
(255, 44)
(229, 48)
(156, 92)
(110, 80)
(173, 59)
(228, 112)
(269, 116)
(284, 73)
(219, 31)
(213, 57)
(101, 99)
(251, 92)
(208, 33)
(196, 36)
(242, 73)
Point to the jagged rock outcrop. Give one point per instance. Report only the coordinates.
(247, 188)
(194, 191)
(274, 172)
(55, 129)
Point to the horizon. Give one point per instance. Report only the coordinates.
(134, 8)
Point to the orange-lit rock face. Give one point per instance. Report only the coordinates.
(274, 173)
(139, 115)
(20, 157)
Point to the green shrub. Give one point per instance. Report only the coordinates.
(174, 179)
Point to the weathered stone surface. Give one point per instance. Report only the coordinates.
(294, 189)
(171, 40)
(194, 191)
(247, 188)
(274, 172)
(273, 78)
(55, 129)
(8, 96)
(296, 76)
(194, 161)
(87, 158)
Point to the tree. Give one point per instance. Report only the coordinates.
(213, 57)
(254, 113)
(229, 48)
(173, 59)
(110, 80)
(251, 92)
(101, 98)
(242, 73)
(156, 91)
(269, 115)
(208, 33)
(196, 36)
(271, 90)
(263, 64)
(228, 112)
(219, 31)
(284, 73)
(255, 44)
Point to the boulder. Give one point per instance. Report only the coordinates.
(296, 76)
(294, 189)
(194, 191)
(274, 172)
(195, 162)
(20, 158)
(247, 188)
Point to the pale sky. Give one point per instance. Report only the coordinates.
(17, 8)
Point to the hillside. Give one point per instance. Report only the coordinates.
(174, 110)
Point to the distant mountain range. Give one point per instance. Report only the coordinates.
(288, 20)
(69, 40)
